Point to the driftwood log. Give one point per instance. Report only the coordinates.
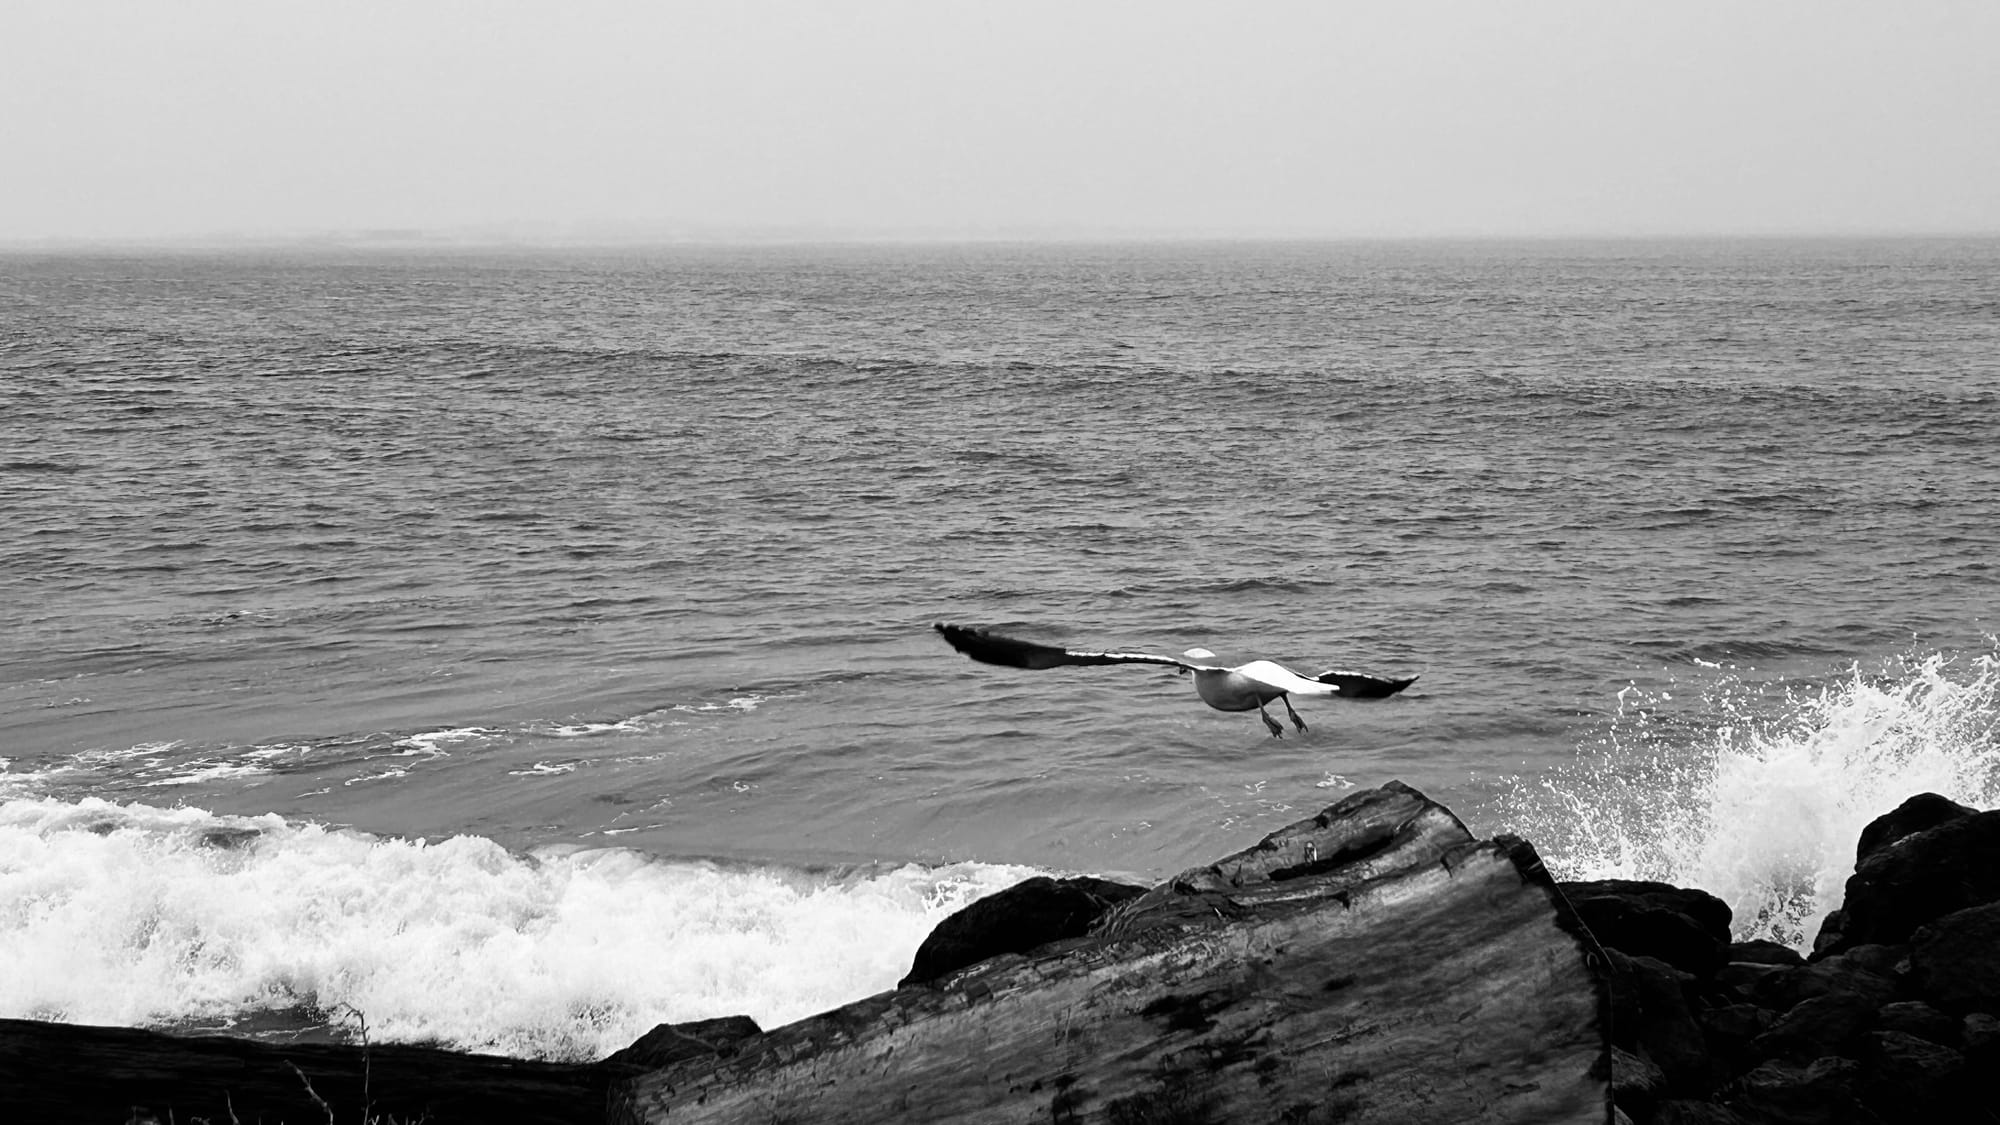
(116, 1075)
(1372, 964)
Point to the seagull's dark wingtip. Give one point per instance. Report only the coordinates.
(990, 648)
(1358, 685)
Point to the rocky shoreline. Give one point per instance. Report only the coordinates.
(1372, 963)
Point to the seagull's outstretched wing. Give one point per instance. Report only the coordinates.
(1360, 685)
(990, 648)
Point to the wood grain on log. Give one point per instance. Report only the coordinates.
(1373, 964)
(63, 1072)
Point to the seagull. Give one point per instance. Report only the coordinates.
(1241, 688)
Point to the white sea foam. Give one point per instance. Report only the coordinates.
(735, 703)
(120, 914)
(1763, 807)
(585, 730)
(207, 770)
(543, 769)
(432, 743)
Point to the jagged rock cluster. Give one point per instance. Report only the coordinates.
(1892, 1019)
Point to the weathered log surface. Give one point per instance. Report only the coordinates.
(1373, 964)
(60, 1072)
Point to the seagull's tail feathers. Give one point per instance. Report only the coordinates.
(1358, 685)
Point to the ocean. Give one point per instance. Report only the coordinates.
(515, 649)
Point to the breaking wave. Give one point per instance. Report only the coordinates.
(1758, 794)
(143, 916)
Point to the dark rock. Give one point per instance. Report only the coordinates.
(672, 1042)
(1955, 961)
(1914, 1017)
(1888, 961)
(1979, 1042)
(1979, 1037)
(1706, 911)
(1634, 926)
(1761, 951)
(1650, 1017)
(1911, 1079)
(1921, 812)
(1636, 1083)
(1825, 1092)
(1693, 1113)
(1832, 1024)
(1916, 879)
(1782, 990)
(1748, 978)
(229, 839)
(1730, 1029)
(1020, 918)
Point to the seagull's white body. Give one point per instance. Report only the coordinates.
(1245, 687)
(1251, 685)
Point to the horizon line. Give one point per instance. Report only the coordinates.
(639, 236)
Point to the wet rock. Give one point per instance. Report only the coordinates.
(1705, 910)
(1749, 978)
(1823, 1092)
(1979, 1043)
(1636, 1083)
(1919, 813)
(1029, 914)
(229, 839)
(1914, 880)
(1761, 951)
(1729, 1031)
(1911, 1079)
(1693, 1113)
(1887, 961)
(1785, 989)
(1955, 961)
(1686, 929)
(1832, 1024)
(1651, 1018)
(1914, 1017)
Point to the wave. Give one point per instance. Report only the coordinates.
(1760, 797)
(138, 915)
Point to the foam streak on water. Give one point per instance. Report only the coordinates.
(1761, 804)
(136, 915)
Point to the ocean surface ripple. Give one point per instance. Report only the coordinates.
(378, 628)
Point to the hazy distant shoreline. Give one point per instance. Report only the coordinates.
(485, 239)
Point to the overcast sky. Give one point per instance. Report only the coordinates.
(170, 118)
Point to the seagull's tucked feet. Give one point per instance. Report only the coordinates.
(1296, 721)
(1277, 731)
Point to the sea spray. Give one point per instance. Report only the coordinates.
(1757, 794)
(138, 915)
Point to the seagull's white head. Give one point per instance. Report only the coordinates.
(1198, 654)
